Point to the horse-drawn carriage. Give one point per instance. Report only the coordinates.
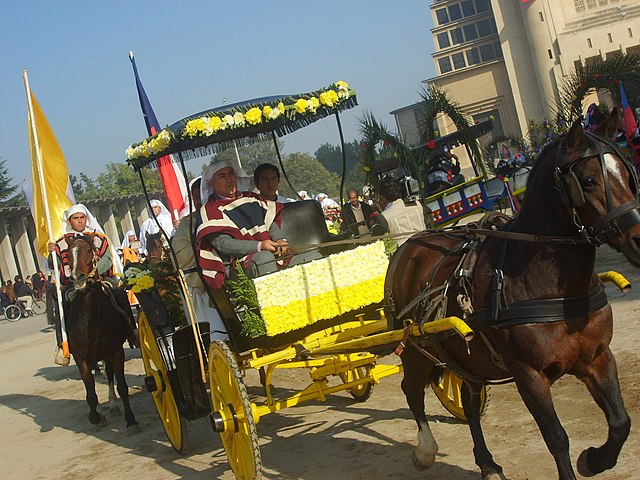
(336, 331)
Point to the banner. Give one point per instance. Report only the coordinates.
(173, 180)
(57, 195)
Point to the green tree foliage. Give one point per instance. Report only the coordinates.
(7, 188)
(118, 179)
(253, 155)
(331, 156)
(307, 173)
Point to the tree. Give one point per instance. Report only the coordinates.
(331, 156)
(252, 155)
(6, 187)
(307, 173)
(118, 179)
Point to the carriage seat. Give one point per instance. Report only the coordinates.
(303, 223)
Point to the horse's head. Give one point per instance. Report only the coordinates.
(155, 247)
(83, 260)
(599, 187)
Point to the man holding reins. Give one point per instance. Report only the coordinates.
(78, 221)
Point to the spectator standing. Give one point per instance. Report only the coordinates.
(355, 214)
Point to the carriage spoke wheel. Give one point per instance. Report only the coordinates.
(12, 313)
(232, 416)
(362, 392)
(157, 382)
(448, 390)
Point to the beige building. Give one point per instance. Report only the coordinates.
(508, 58)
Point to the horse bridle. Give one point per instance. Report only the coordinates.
(95, 259)
(617, 220)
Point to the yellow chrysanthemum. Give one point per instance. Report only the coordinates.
(281, 107)
(194, 127)
(216, 123)
(301, 105)
(329, 98)
(312, 104)
(253, 116)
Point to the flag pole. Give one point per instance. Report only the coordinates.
(45, 202)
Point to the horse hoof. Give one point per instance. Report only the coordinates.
(97, 419)
(583, 462)
(419, 464)
(134, 429)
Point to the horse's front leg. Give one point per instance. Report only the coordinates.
(113, 400)
(535, 390)
(92, 398)
(601, 378)
(123, 391)
(417, 372)
(471, 403)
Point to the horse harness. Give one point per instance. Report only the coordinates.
(431, 303)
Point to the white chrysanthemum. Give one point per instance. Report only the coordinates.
(238, 119)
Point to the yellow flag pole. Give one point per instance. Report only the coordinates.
(43, 187)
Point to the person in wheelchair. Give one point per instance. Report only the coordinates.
(23, 295)
(234, 226)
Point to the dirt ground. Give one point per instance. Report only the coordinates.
(46, 433)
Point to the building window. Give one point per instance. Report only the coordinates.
(589, 44)
(630, 33)
(578, 66)
(458, 61)
(602, 3)
(486, 52)
(482, 5)
(445, 64)
(550, 53)
(591, 3)
(443, 40)
(467, 8)
(610, 38)
(454, 12)
(442, 16)
(579, 4)
(470, 32)
(473, 56)
(456, 36)
(498, 50)
(541, 16)
(484, 28)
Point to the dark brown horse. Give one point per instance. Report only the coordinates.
(97, 325)
(539, 309)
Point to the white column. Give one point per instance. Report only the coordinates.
(7, 261)
(22, 246)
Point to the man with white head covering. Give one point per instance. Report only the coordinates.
(79, 221)
(182, 243)
(150, 226)
(233, 225)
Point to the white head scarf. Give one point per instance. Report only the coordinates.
(244, 181)
(164, 218)
(92, 223)
(125, 242)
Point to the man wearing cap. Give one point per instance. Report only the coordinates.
(79, 221)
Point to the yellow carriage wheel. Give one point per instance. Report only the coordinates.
(157, 382)
(448, 390)
(361, 392)
(232, 416)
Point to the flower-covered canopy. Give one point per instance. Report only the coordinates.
(215, 129)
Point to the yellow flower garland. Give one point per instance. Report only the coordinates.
(209, 125)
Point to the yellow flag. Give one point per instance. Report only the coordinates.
(59, 194)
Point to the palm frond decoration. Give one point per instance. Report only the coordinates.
(607, 74)
(375, 132)
(435, 101)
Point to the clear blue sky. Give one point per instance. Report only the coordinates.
(190, 56)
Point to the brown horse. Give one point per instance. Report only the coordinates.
(537, 306)
(97, 325)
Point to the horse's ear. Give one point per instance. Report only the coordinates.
(573, 140)
(609, 126)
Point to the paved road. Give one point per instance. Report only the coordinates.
(10, 331)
